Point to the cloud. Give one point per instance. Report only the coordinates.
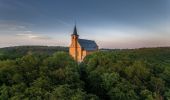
(21, 30)
(11, 27)
(33, 36)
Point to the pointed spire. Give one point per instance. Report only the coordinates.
(75, 31)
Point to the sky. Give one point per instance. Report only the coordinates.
(111, 23)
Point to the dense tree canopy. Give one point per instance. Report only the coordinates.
(139, 74)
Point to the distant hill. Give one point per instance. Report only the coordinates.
(19, 51)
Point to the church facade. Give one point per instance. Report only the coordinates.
(80, 48)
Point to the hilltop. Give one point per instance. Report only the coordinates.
(19, 51)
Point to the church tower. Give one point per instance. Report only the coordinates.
(74, 44)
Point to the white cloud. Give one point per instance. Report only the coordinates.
(11, 27)
(19, 30)
(33, 36)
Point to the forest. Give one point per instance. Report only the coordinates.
(49, 73)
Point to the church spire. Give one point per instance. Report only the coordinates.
(75, 31)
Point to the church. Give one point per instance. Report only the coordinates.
(80, 48)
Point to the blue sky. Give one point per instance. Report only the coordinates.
(111, 23)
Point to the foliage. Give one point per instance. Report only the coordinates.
(137, 74)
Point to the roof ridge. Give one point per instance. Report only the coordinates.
(86, 39)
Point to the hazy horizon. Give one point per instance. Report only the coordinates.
(111, 23)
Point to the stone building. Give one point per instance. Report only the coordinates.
(80, 48)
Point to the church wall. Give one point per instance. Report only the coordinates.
(72, 51)
(79, 52)
(84, 54)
